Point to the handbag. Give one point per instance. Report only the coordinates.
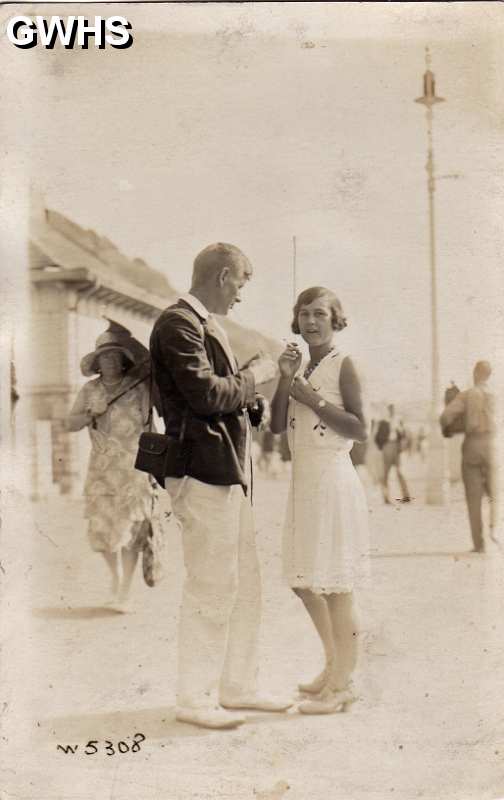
(159, 454)
(456, 426)
(458, 423)
(156, 532)
(152, 562)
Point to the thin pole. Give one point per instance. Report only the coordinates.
(294, 270)
(431, 187)
(293, 477)
(436, 466)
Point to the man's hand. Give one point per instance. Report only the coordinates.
(260, 413)
(262, 368)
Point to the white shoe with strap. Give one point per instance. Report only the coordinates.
(329, 701)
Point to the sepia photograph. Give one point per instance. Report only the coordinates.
(251, 544)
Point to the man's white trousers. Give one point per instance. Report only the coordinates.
(221, 599)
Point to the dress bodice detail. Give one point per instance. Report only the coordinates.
(304, 426)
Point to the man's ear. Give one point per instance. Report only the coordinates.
(223, 275)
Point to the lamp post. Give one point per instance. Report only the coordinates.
(437, 483)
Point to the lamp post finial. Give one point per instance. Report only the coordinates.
(429, 97)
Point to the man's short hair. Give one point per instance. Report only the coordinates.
(214, 258)
(482, 371)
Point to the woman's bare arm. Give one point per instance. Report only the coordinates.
(350, 422)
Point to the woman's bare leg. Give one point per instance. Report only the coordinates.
(384, 480)
(129, 562)
(402, 483)
(112, 560)
(345, 631)
(317, 607)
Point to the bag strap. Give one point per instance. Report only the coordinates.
(151, 382)
(125, 391)
(151, 410)
(117, 396)
(151, 403)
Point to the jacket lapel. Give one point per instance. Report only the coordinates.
(214, 329)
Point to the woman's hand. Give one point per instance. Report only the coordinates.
(290, 360)
(303, 392)
(289, 363)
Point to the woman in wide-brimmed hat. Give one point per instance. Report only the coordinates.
(114, 406)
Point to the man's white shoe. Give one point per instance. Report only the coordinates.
(216, 718)
(257, 703)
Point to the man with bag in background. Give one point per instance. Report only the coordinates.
(473, 413)
(389, 437)
(206, 400)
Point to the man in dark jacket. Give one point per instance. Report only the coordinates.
(388, 439)
(205, 401)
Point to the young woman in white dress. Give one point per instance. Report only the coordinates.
(326, 540)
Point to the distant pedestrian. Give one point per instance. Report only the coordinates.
(473, 411)
(389, 438)
(374, 458)
(421, 442)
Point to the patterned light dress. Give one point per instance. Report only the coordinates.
(326, 535)
(118, 498)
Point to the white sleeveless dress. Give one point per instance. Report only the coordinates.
(326, 534)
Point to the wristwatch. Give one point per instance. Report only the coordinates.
(321, 404)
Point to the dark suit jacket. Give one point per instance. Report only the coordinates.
(383, 434)
(198, 382)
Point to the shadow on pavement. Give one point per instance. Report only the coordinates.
(153, 723)
(261, 717)
(115, 726)
(59, 612)
(426, 554)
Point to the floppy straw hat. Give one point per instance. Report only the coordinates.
(105, 343)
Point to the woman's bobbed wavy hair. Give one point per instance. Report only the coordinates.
(314, 293)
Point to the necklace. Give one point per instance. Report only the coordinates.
(111, 384)
(312, 366)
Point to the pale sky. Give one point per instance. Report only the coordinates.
(254, 123)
